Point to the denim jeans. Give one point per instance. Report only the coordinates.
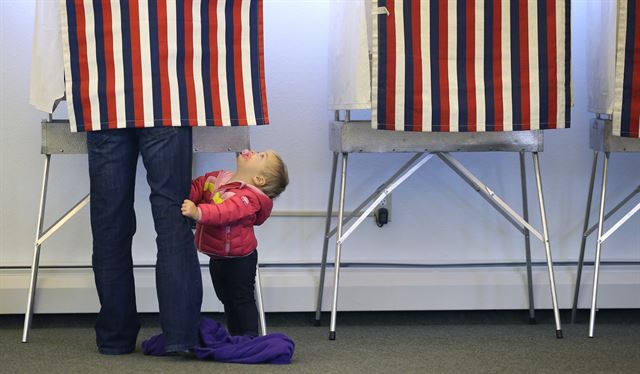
(166, 154)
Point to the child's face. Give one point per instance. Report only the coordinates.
(254, 164)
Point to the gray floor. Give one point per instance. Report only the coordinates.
(380, 342)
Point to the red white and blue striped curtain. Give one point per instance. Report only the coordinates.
(626, 110)
(146, 63)
(471, 66)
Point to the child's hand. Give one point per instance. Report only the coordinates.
(189, 209)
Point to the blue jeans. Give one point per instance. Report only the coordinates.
(113, 156)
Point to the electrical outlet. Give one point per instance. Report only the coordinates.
(385, 203)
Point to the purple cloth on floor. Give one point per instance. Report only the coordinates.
(216, 344)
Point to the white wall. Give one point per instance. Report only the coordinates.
(437, 219)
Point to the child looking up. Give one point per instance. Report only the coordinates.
(226, 205)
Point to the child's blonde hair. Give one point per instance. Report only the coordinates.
(277, 178)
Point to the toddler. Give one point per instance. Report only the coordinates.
(226, 205)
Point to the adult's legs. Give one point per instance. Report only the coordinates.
(167, 153)
(112, 169)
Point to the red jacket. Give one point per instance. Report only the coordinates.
(228, 213)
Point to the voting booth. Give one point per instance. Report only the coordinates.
(441, 77)
(123, 65)
(614, 97)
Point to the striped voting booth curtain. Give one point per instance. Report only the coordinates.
(145, 63)
(626, 110)
(471, 66)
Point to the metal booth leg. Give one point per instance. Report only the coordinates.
(583, 242)
(263, 323)
(527, 239)
(547, 247)
(325, 245)
(36, 251)
(334, 303)
(596, 271)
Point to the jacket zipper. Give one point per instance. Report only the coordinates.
(227, 239)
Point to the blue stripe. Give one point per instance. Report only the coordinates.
(255, 61)
(463, 111)
(75, 64)
(127, 64)
(155, 63)
(435, 66)
(543, 65)
(206, 63)
(567, 62)
(382, 67)
(231, 82)
(101, 65)
(516, 84)
(408, 67)
(180, 66)
(627, 81)
(490, 115)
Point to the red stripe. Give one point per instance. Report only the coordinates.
(443, 47)
(470, 68)
(390, 114)
(163, 48)
(635, 90)
(417, 65)
(553, 66)
(192, 116)
(84, 65)
(524, 64)
(213, 64)
(263, 87)
(110, 66)
(136, 63)
(237, 62)
(497, 66)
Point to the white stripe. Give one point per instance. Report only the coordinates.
(246, 63)
(172, 53)
(201, 115)
(507, 88)
(94, 98)
(622, 38)
(452, 69)
(479, 67)
(66, 54)
(374, 68)
(425, 50)
(145, 56)
(222, 65)
(400, 73)
(561, 46)
(118, 66)
(534, 78)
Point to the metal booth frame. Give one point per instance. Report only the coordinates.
(347, 136)
(601, 140)
(57, 139)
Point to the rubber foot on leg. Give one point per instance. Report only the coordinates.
(317, 323)
(532, 321)
(559, 334)
(332, 335)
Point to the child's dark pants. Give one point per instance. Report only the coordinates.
(234, 280)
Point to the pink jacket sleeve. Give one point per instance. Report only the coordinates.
(231, 210)
(197, 187)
